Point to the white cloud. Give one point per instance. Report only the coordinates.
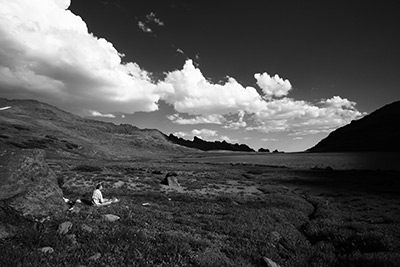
(210, 119)
(299, 116)
(40, 58)
(190, 92)
(151, 17)
(180, 134)
(204, 132)
(144, 27)
(272, 86)
(98, 114)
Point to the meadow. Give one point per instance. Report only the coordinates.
(223, 215)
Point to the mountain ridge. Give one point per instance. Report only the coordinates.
(376, 132)
(33, 124)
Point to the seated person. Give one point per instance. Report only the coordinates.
(97, 197)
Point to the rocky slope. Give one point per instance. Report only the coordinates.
(208, 146)
(31, 124)
(378, 131)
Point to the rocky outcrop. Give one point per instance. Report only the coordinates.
(28, 187)
(198, 143)
(377, 131)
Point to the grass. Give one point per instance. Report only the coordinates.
(291, 222)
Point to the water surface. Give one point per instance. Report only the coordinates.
(337, 161)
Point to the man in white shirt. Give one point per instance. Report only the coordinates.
(97, 197)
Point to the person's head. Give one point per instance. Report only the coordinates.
(99, 186)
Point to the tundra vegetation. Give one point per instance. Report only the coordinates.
(221, 215)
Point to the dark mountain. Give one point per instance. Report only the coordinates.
(32, 124)
(208, 146)
(378, 131)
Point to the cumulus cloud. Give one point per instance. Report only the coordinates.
(98, 114)
(300, 117)
(204, 132)
(210, 119)
(272, 86)
(40, 58)
(190, 92)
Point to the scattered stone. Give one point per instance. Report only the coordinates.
(118, 184)
(74, 209)
(95, 257)
(46, 250)
(274, 238)
(86, 228)
(270, 263)
(6, 231)
(72, 238)
(64, 227)
(27, 185)
(111, 217)
(171, 181)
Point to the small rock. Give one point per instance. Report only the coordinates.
(95, 257)
(274, 237)
(6, 231)
(270, 263)
(64, 227)
(47, 250)
(86, 228)
(172, 182)
(72, 238)
(111, 217)
(118, 184)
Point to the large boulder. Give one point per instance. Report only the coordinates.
(27, 186)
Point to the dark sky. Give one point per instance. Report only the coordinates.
(324, 48)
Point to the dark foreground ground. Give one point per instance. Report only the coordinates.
(224, 215)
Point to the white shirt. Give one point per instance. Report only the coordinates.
(97, 197)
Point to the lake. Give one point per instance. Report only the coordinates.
(337, 161)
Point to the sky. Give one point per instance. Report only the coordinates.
(270, 74)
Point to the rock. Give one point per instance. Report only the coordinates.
(72, 238)
(95, 257)
(270, 263)
(47, 250)
(64, 228)
(28, 187)
(171, 181)
(118, 184)
(6, 231)
(274, 237)
(86, 228)
(111, 217)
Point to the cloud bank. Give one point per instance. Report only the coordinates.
(40, 58)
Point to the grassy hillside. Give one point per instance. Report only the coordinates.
(31, 124)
